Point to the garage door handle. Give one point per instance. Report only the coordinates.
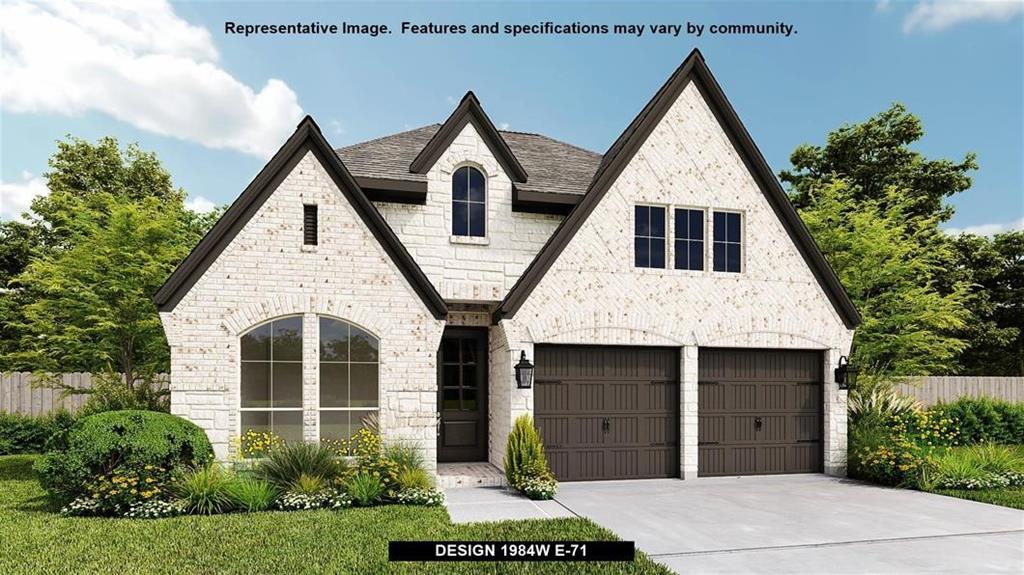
(758, 423)
(606, 425)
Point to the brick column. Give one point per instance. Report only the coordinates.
(688, 412)
(835, 418)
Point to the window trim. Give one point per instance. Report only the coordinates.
(665, 238)
(469, 238)
(742, 243)
(704, 210)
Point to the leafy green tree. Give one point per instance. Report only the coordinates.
(907, 322)
(994, 270)
(873, 158)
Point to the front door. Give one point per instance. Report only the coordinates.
(462, 395)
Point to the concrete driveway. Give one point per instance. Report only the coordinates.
(802, 523)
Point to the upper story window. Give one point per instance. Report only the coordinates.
(689, 236)
(469, 203)
(271, 394)
(649, 237)
(728, 232)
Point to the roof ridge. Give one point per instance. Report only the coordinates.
(385, 137)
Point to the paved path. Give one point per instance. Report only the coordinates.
(802, 524)
(471, 504)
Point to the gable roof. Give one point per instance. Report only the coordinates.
(693, 69)
(468, 110)
(554, 167)
(307, 137)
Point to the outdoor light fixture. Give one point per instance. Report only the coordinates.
(524, 372)
(846, 374)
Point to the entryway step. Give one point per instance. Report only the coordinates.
(472, 474)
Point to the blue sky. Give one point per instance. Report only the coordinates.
(167, 77)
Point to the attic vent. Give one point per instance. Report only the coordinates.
(309, 225)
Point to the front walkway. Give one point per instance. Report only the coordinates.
(472, 504)
(801, 523)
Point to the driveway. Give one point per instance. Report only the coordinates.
(801, 523)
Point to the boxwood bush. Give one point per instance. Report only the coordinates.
(121, 443)
(984, 420)
(31, 434)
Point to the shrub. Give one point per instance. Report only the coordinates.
(32, 434)
(405, 456)
(287, 462)
(413, 478)
(880, 401)
(122, 441)
(252, 494)
(975, 467)
(308, 485)
(118, 491)
(418, 496)
(984, 420)
(895, 449)
(526, 466)
(109, 392)
(205, 490)
(365, 488)
(371, 460)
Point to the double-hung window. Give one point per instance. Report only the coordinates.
(728, 242)
(689, 242)
(649, 237)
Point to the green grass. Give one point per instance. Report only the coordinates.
(37, 540)
(1007, 497)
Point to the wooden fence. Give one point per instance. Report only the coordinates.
(933, 389)
(18, 395)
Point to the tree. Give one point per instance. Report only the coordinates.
(994, 270)
(906, 321)
(874, 157)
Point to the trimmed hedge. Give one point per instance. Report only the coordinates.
(32, 434)
(984, 420)
(122, 441)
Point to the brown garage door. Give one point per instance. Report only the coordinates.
(760, 411)
(608, 412)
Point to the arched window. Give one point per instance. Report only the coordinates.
(469, 203)
(271, 394)
(349, 378)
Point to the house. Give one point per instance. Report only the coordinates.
(680, 318)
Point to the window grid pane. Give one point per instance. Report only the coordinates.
(689, 244)
(728, 244)
(469, 206)
(649, 237)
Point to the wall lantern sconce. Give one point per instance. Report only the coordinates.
(524, 372)
(846, 374)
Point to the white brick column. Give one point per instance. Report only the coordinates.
(835, 418)
(688, 412)
(310, 377)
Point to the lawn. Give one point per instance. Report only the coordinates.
(37, 540)
(1007, 497)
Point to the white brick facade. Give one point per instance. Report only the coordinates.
(469, 269)
(267, 272)
(592, 294)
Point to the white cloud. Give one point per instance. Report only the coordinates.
(937, 15)
(504, 126)
(451, 99)
(883, 5)
(988, 229)
(336, 127)
(16, 197)
(142, 64)
(200, 204)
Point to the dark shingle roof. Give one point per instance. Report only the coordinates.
(553, 166)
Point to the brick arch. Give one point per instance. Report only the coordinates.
(764, 332)
(245, 317)
(606, 327)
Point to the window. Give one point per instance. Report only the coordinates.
(309, 225)
(349, 384)
(459, 389)
(728, 245)
(469, 204)
(649, 237)
(271, 394)
(689, 234)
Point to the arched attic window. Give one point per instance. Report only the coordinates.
(469, 203)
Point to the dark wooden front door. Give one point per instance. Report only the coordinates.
(462, 395)
(759, 412)
(608, 412)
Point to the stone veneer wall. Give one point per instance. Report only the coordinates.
(267, 272)
(594, 295)
(469, 269)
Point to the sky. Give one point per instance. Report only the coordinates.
(216, 106)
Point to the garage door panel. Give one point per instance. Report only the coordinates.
(760, 411)
(622, 418)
